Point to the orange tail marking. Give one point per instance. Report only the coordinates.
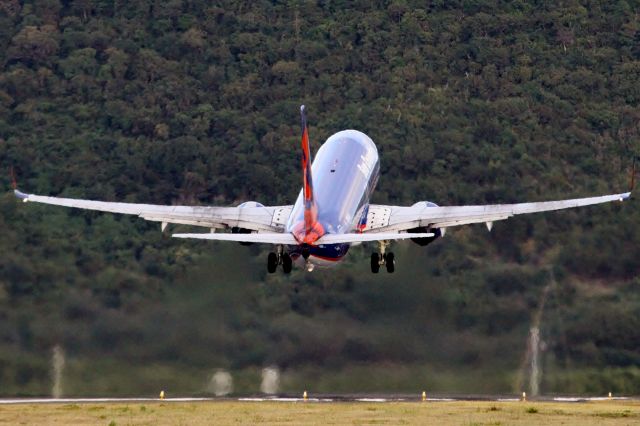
(311, 230)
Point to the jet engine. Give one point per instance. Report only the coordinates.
(422, 229)
(238, 230)
(425, 241)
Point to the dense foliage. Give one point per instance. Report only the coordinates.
(190, 101)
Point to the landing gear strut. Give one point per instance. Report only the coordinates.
(382, 258)
(279, 258)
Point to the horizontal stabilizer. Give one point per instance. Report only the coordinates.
(261, 237)
(288, 239)
(373, 236)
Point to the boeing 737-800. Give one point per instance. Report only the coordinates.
(331, 213)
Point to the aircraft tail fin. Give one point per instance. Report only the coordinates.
(312, 229)
(306, 158)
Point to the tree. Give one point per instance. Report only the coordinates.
(35, 44)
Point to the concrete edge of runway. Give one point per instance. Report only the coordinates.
(318, 399)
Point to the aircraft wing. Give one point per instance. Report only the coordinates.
(288, 239)
(260, 219)
(383, 218)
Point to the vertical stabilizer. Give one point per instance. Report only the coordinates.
(306, 161)
(311, 229)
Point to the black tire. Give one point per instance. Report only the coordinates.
(287, 263)
(375, 263)
(272, 262)
(390, 262)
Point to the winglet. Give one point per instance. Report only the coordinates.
(12, 173)
(632, 184)
(21, 195)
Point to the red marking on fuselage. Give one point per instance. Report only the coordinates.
(330, 259)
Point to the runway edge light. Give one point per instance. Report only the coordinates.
(161, 394)
(424, 395)
(524, 396)
(304, 395)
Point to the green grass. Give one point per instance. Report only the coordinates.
(272, 413)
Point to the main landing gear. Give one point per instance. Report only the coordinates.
(382, 258)
(279, 258)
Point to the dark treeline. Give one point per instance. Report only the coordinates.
(196, 102)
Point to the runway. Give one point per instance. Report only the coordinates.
(318, 399)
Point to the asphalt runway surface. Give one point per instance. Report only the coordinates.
(319, 399)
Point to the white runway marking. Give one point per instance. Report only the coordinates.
(84, 400)
(372, 399)
(594, 398)
(276, 399)
(294, 399)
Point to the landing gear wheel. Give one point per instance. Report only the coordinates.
(272, 262)
(375, 263)
(390, 263)
(287, 263)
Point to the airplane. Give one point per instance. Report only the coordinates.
(331, 213)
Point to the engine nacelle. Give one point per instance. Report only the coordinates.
(237, 230)
(423, 229)
(428, 240)
(425, 204)
(250, 204)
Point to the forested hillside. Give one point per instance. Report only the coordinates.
(191, 101)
